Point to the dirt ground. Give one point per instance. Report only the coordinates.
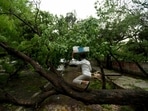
(28, 83)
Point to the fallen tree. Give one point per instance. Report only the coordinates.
(60, 86)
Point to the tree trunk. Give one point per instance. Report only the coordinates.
(108, 62)
(121, 69)
(102, 74)
(115, 96)
(142, 70)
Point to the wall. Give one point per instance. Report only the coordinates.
(130, 67)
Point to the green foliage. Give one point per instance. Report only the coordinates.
(3, 79)
(7, 27)
(47, 38)
(126, 108)
(95, 84)
(8, 66)
(119, 25)
(3, 39)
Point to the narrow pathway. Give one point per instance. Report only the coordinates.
(130, 83)
(127, 82)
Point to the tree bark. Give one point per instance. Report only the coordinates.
(121, 69)
(102, 74)
(141, 68)
(114, 96)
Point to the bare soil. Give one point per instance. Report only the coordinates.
(28, 83)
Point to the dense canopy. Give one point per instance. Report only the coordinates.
(38, 39)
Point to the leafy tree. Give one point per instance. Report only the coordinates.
(121, 23)
(41, 39)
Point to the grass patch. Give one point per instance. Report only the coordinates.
(97, 84)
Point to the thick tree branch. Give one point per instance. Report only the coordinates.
(8, 98)
(115, 96)
(141, 68)
(22, 20)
